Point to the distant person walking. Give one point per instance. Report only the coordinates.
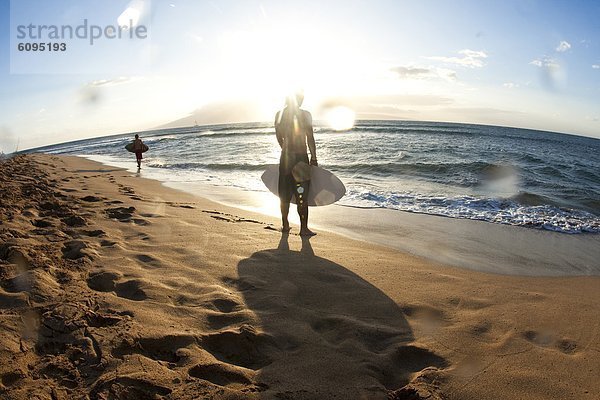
(138, 147)
(294, 131)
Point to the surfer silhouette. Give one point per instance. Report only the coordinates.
(138, 147)
(294, 131)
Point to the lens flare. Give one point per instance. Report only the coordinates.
(132, 14)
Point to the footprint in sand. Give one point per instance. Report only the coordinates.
(95, 233)
(107, 243)
(11, 378)
(148, 261)
(92, 199)
(165, 348)
(74, 221)
(138, 236)
(225, 305)
(223, 320)
(109, 281)
(481, 328)
(14, 300)
(230, 218)
(76, 249)
(123, 214)
(103, 281)
(43, 223)
(171, 204)
(551, 341)
(135, 388)
(221, 374)
(16, 255)
(244, 347)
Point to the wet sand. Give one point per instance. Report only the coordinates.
(114, 286)
(464, 243)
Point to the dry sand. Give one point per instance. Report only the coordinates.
(115, 287)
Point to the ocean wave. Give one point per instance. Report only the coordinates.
(503, 211)
(414, 129)
(525, 198)
(441, 169)
(208, 166)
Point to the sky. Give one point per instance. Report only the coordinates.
(523, 63)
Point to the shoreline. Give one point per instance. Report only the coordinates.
(115, 285)
(463, 243)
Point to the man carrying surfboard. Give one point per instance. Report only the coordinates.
(138, 147)
(294, 131)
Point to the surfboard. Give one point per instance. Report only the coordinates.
(129, 148)
(325, 187)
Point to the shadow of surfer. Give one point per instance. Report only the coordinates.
(326, 331)
(284, 246)
(294, 131)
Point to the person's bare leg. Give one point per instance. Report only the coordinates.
(285, 210)
(303, 213)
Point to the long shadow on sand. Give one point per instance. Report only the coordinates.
(327, 332)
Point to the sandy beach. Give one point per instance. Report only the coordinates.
(113, 286)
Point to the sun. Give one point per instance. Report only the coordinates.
(270, 62)
(340, 118)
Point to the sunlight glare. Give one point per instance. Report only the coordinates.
(340, 118)
(271, 61)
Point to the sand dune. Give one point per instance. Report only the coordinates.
(115, 287)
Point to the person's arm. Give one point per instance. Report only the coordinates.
(310, 138)
(278, 130)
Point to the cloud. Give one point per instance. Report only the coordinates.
(545, 62)
(510, 85)
(410, 72)
(469, 58)
(596, 66)
(563, 46)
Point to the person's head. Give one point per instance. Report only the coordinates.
(295, 100)
(137, 136)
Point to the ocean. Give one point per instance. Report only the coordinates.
(501, 175)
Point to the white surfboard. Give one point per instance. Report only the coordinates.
(325, 187)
